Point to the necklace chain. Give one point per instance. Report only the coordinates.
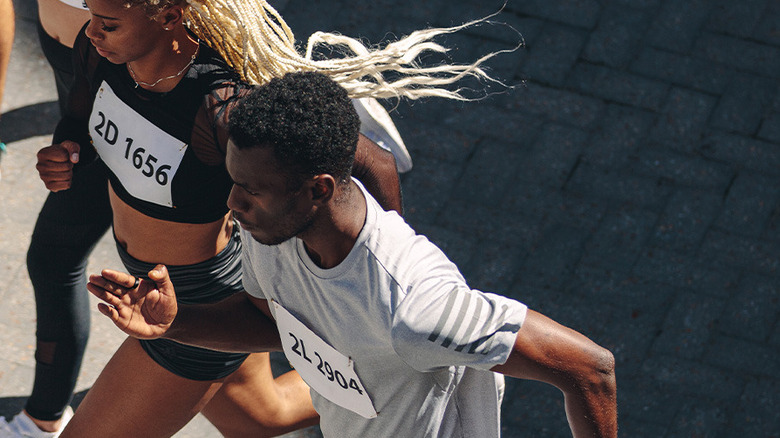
(186, 67)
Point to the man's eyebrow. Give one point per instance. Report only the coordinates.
(242, 185)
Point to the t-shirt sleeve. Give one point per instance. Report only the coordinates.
(442, 322)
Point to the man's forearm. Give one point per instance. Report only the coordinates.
(233, 324)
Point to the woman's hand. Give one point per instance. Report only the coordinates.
(55, 164)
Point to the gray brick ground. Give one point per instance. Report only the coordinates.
(677, 25)
(627, 186)
(682, 69)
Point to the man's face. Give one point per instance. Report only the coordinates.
(261, 198)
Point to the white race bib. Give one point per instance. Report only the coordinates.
(144, 157)
(325, 370)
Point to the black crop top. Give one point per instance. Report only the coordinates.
(165, 151)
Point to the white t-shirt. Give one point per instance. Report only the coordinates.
(419, 340)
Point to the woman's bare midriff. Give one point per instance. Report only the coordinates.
(60, 21)
(170, 243)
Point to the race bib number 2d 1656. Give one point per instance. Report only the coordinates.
(328, 372)
(144, 157)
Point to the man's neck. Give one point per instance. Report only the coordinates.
(333, 235)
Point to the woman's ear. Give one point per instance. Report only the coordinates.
(170, 17)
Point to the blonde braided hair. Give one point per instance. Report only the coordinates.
(255, 41)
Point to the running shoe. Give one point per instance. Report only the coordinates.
(376, 124)
(23, 427)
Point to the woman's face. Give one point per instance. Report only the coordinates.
(121, 34)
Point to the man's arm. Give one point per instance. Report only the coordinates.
(376, 169)
(235, 324)
(148, 310)
(585, 372)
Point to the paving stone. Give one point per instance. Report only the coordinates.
(620, 237)
(742, 152)
(622, 132)
(690, 324)
(618, 186)
(699, 418)
(637, 297)
(723, 249)
(770, 128)
(554, 206)
(618, 86)
(743, 356)
(742, 54)
(750, 202)
(614, 39)
(677, 270)
(533, 409)
(551, 262)
(757, 411)
(489, 172)
(693, 378)
(689, 71)
(422, 206)
(684, 169)
(682, 117)
(768, 29)
(736, 18)
(752, 312)
(435, 143)
(582, 13)
(773, 228)
(677, 24)
(552, 54)
(489, 222)
(686, 220)
(557, 105)
(552, 157)
(493, 266)
(744, 104)
(658, 406)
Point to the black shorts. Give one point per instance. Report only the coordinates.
(205, 282)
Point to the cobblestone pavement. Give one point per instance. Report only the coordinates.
(628, 186)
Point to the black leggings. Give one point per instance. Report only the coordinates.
(69, 225)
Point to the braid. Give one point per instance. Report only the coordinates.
(256, 42)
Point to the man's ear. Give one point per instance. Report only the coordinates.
(323, 188)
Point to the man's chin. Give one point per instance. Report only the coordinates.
(267, 241)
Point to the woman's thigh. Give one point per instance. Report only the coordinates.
(135, 397)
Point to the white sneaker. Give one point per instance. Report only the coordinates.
(376, 124)
(23, 427)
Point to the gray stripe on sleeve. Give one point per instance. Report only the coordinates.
(445, 314)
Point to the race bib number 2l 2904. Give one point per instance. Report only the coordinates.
(144, 157)
(328, 372)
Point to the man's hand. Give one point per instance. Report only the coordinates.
(55, 164)
(143, 310)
